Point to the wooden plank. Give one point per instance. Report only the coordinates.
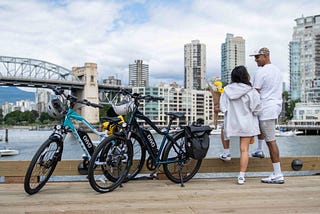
(297, 195)
(209, 165)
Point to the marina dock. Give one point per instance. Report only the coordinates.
(222, 195)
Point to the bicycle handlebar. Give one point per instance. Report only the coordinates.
(137, 96)
(73, 99)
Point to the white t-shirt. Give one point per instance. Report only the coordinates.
(269, 80)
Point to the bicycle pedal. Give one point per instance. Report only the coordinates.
(154, 177)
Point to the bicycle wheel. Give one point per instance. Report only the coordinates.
(42, 165)
(139, 156)
(179, 163)
(110, 164)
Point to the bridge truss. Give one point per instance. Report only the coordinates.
(35, 73)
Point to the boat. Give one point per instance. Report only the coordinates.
(289, 133)
(8, 152)
(215, 131)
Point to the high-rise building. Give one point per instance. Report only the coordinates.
(138, 74)
(232, 54)
(195, 65)
(112, 81)
(42, 99)
(304, 51)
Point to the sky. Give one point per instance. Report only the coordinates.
(114, 34)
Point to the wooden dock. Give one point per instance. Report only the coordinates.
(14, 171)
(298, 195)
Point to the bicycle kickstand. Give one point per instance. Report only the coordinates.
(181, 179)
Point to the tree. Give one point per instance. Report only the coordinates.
(18, 117)
(13, 118)
(107, 111)
(289, 105)
(44, 118)
(1, 116)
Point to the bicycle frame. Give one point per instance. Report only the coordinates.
(166, 135)
(67, 123)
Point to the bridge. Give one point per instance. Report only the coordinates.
(81, 81)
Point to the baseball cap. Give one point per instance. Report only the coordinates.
(261, 51)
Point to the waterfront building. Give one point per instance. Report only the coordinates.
(233, 54)
(112, 81)
(195, 65)
(6, 108)
(304, 51)
(197, 104)
(42, 99)
(138, 74)
(306, 114)
(20, 105)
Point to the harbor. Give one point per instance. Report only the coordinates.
(27, 142)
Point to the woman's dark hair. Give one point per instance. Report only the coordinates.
(240, 75)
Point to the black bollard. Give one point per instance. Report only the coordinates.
(296, 164)
(6, 137)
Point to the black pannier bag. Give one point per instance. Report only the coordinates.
(197, 141)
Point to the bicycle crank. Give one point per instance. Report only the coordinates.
(150, 164)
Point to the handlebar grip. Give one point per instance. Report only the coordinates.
(57, 90)
(96, 105)
(88, 103)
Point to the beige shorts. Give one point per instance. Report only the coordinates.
(268, 129)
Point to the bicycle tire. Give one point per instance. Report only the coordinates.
(139, 156)
(188, 165)
(42, 166)
(110, 164)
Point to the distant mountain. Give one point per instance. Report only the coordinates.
(12, 94)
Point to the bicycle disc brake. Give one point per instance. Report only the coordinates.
(150, 164)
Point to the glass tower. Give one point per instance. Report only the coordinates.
(304, 51)
(232, 54)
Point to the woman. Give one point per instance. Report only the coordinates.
(240, 103)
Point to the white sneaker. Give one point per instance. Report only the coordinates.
(273, 179)
(258, 154)
(241, 180)
(225, 157)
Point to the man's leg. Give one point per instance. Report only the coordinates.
(226, 147)
(268, 129)
(258, 153)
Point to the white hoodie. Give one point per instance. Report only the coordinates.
(241, 105)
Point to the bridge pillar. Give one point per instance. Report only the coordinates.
(89, 74)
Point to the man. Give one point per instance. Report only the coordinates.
(268, 82)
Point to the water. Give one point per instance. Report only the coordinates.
(27, 142)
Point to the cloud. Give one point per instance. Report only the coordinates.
(115, 33)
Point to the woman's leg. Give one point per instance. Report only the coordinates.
(244, 153)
